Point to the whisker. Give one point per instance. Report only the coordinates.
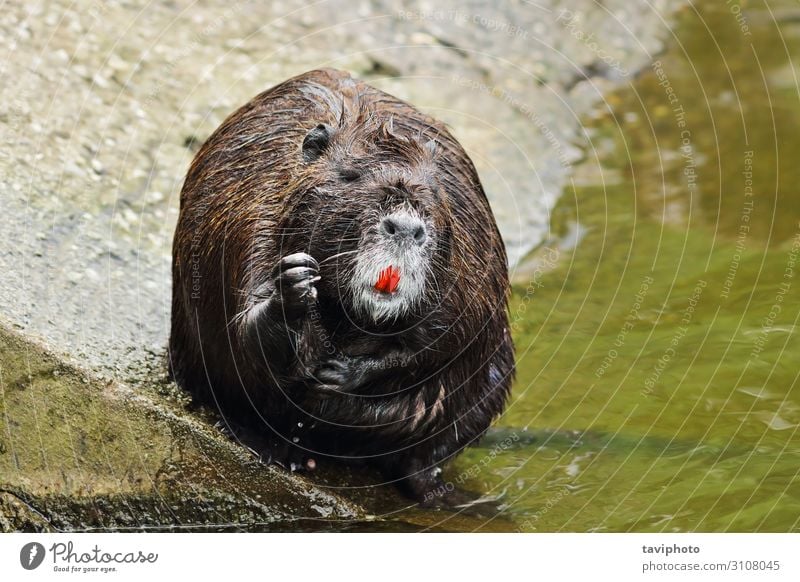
(323, 261)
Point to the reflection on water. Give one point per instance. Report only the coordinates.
(718, 118)
(658, 362)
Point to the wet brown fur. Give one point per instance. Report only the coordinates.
(250, 198)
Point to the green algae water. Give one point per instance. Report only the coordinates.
(658, 357)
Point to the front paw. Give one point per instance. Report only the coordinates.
(341, 375)
(294, 279)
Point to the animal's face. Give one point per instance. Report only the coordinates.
(375, 220)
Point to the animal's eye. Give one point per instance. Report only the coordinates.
(349, 175)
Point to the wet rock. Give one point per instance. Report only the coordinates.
(84, 454)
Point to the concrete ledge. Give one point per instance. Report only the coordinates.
(80, 454)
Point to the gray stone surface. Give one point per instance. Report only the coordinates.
(99, 100)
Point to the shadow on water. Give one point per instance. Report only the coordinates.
(657, 360)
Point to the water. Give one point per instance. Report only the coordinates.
(657, 384)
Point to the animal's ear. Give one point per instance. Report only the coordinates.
(316, 142)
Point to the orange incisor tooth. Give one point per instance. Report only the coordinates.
(388, 280)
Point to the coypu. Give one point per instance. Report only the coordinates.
(339, 282)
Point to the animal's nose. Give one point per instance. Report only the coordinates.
(404, 227)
